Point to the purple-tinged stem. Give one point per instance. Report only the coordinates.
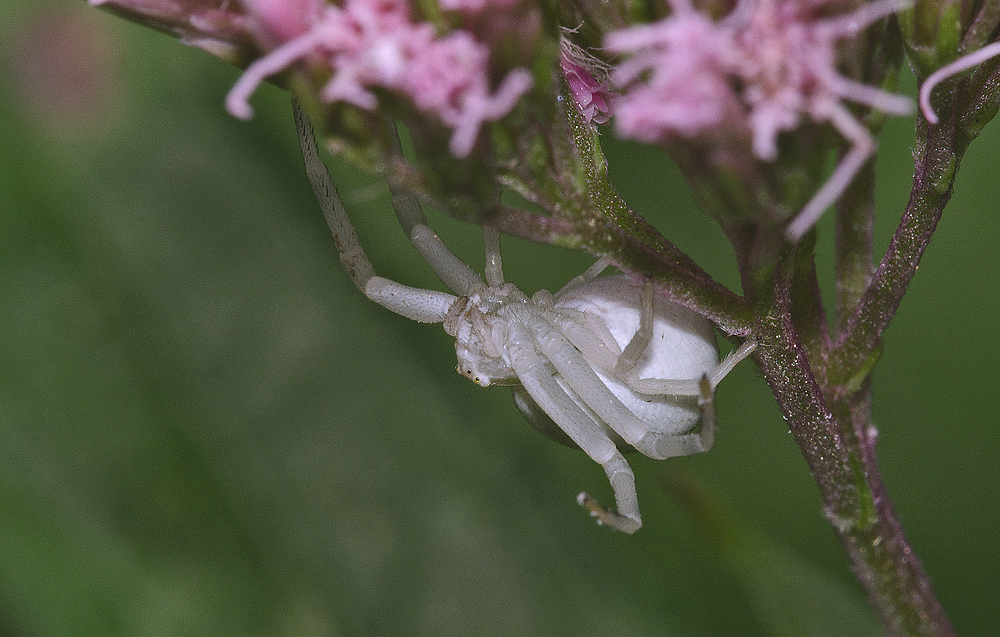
(833, 429)
(939, 152)
(882, 558)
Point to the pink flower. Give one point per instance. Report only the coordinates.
(278, 21)
(677, 79)
(374, 43)
(790, 69)
(772, 59)
(476, 6)
(448, 77)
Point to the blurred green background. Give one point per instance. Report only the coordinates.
(206, 430)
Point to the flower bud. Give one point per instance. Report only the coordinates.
(932, 31)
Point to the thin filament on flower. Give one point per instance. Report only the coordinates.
(238, 100)
(948, 70)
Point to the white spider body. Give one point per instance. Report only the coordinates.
(597, 319)
(604, 364)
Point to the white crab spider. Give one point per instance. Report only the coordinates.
(603, 363)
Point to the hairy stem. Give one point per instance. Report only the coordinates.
(932, 187)
(629, 251)
(833, 429)
(882, 559)
(939, 151)
(785, 364)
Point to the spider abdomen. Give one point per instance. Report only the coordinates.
(682, 347)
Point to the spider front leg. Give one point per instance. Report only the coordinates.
(425, 306)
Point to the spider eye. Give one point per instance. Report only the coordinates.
(485, 381)
(469, 373)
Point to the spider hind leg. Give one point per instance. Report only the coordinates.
(627, 519)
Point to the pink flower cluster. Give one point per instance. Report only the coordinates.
(676, 79)
(374, 43)
(763, 67)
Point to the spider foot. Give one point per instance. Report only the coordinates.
(606, 517)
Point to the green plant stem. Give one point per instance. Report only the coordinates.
(631, 252)
(593, 217)
(838, 442)
(823, 389)
(939, 150)
(824, 392)
(785, 364)
(862, 330)
(882, 559)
